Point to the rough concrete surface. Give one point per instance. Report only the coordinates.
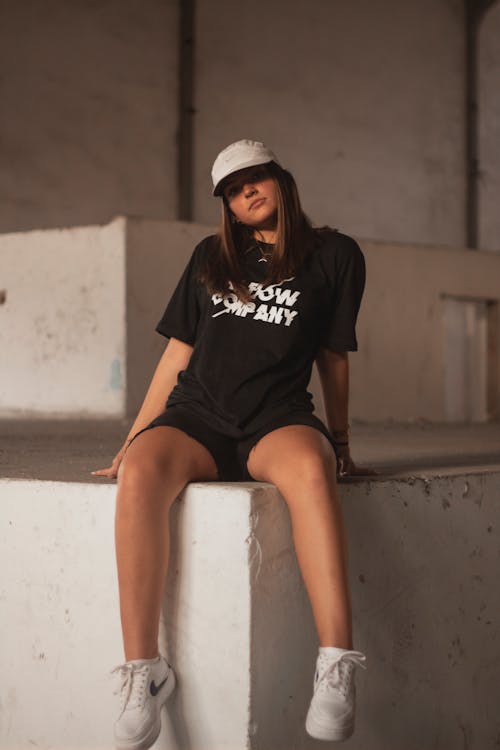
(68, 450)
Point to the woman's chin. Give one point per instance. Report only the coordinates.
(263, 222)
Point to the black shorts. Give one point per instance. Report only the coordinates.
(230, 454)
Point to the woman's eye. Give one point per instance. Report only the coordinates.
(256, 176)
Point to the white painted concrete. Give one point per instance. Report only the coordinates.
(62, 331)
(61, 599)
(80, 309)
(236, 621)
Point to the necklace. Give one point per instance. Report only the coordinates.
(264, 256)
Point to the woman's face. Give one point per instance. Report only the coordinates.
(252, 197)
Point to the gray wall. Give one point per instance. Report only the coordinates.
(489, 130)
(363, 100)
(88, 95)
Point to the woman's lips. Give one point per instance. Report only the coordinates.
(257, 203)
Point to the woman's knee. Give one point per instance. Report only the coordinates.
(145, 466)
(308, 466)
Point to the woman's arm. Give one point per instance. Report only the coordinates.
(333, 369)
(174, 359)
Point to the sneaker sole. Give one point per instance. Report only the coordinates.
(143, 743)
(321, 728)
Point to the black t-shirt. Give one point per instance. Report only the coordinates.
(253, 362)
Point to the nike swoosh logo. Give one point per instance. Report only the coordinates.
(154, 689)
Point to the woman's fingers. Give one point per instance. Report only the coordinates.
(111, 471)
(105, 472)
(348, 468)
(345, 464)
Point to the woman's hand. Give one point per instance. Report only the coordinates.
(112, 470)
(346, 466)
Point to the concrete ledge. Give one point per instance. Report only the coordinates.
(236, 619)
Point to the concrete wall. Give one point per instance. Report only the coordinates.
(402, 357)
(364, 101)
(62, 324)
(89, 111)
(236, 619)
(82, 304)
(489, 129)
(79, 312)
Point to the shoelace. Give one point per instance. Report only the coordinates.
(133, 684)
(338, 674)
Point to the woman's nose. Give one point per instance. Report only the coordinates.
(249, 189)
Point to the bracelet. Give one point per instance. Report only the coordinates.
(341, 432)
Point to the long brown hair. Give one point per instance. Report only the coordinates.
(295, 240)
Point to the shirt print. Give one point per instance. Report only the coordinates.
(274, 303)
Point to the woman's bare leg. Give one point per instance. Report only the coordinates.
(300, 462)
(155, 469)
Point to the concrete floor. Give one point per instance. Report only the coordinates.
(69, 449)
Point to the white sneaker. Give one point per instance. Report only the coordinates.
(145, 686)
(331, 713)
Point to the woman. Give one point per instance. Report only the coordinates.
(257, 304)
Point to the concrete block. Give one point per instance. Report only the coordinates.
(236, 620)
(79, 310)
(234, 613)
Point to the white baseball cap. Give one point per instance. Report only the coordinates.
(239, 155)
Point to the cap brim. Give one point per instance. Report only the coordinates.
(217, 191)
